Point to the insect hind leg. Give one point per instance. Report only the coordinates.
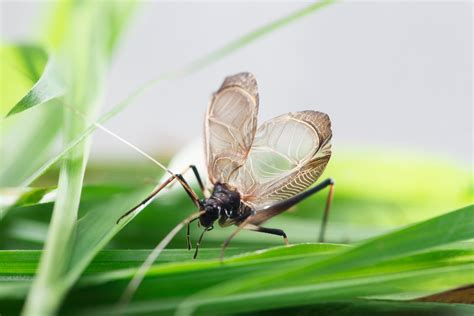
(279, 207)
(327, 209)
(272, 231)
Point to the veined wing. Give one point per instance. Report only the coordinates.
(288, 154)
(230, 126)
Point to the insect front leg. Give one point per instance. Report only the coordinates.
(188, 234)
(192, 195)
(204, 190)
(200, 240)
(199, 180)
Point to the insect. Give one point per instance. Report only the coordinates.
(254, 173)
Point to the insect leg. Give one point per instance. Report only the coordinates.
(157, 190)
(200, 239)
(188, 238)
(198, 178)
(327, 208)
(192, 195)
(272, 231)
(279, 207)
(148, 198)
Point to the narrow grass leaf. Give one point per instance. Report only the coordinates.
(277, 284)
(83, 62)
(28, 134)
(21, 66)
(49, 86)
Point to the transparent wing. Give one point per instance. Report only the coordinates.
(288, 154)
(230, 126)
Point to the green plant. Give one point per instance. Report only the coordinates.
(59, 83)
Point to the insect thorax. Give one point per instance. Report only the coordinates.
(224, 204)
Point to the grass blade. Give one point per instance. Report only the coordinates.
(309, 279)
(29, 134)
(48, 87)
(83, 61)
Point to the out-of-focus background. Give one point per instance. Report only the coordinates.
(397, 75)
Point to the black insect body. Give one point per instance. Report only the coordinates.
(224, 204)
(254, 173)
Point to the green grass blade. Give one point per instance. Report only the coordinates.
(330, 291)
(21, 67)
(104, 266)
(48, 87)
(83, 62)
(29, 134)
(194, 66)
(175, 276)
(308, 277)
(418, 237)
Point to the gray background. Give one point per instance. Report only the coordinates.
(395, 75)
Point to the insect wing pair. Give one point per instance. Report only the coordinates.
(256, 173)
(275, 162)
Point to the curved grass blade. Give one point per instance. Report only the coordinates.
(22, 65)
(48, 87)
(29, 134)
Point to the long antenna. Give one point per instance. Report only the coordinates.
(141, 272)
(108, 131)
